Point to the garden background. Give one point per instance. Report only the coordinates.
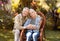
(7, 14)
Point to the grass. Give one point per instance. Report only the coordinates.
(6, 35)
(52, 35)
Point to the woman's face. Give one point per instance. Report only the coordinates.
(32, 14)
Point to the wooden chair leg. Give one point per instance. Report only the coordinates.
(41, 39)
(21, 37)
(44, 37)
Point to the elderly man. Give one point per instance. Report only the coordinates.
(18, 22)
(33, 25)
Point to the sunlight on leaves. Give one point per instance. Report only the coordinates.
(1, 34)
(10, 39)
(1, 20)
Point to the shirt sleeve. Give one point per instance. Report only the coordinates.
(37, 23)
(18, 22)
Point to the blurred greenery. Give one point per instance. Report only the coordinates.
(6, 19)
(7, 35)
(52, 35)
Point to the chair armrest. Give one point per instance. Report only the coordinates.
(41, 35)
(22, 31)
(21, 34)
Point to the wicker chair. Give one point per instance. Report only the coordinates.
(42, 32)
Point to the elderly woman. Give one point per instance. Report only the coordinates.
(33, 25)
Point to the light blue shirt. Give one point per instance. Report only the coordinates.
(35, 22)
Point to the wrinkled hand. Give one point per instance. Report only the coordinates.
(30, 26)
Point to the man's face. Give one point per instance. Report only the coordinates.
(25, 12)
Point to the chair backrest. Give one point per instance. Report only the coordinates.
(43, 21)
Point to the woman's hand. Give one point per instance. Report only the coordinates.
(30, 26)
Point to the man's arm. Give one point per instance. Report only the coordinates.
(18, 23)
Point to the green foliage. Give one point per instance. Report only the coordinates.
(26, 3)
(6, 20)
(50, 35)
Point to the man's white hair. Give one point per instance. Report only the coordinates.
(25, 8)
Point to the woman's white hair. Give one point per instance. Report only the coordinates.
(25, 8)
(32, 10)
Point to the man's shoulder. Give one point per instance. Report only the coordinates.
(19, 15)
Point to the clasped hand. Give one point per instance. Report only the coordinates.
(30, 26)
